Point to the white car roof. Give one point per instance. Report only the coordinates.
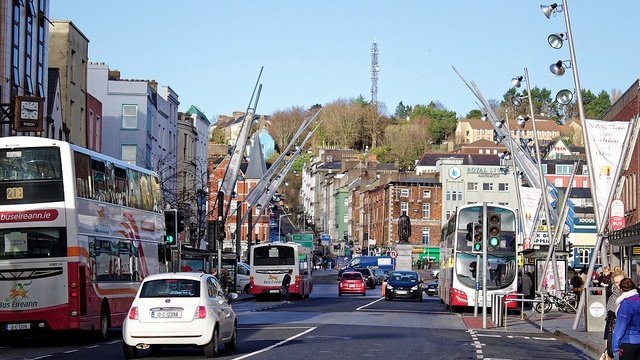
(176, 275)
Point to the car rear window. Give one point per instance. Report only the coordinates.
(351, 276)
(170, 288)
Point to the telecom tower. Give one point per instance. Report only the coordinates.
(375, 69)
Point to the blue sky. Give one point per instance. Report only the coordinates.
(210, 52)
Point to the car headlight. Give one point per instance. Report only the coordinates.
(414, 288)
(389, 287)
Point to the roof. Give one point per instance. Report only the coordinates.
(256, 167)
(194, 110)
(468, 159)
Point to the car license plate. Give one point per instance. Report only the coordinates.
(274, 291)
(352, 285)
(166, 314)
(402, 292)
(12, 327)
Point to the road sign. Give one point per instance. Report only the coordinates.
(325, 238)
(616, 220)
(393, 254)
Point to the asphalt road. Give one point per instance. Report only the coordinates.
(326, 326)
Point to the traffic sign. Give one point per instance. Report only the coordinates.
(393, 254)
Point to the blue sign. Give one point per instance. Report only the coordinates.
(325, 238)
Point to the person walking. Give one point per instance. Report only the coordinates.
(224, 280)
(284, 288)
(576, 285)
(527, 284)
(610, 320)
(625, 341)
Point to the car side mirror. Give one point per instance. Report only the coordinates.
(232, 296)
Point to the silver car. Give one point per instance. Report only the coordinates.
(180, 309)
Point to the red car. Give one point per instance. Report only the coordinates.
(352, 282)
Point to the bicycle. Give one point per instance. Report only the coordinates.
(567, 303)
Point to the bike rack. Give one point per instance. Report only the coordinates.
(522, 300)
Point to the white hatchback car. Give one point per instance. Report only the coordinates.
(180, 309)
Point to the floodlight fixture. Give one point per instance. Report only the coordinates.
(560, 67)
(516, 100)
(484, 117)
(556, 40)
(547, 10)
(522, 120)
(499, 123)
(564, 96)
(516, 82)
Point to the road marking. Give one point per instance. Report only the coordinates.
(41, 357)
(276, 344)
(516, 337)
(114, 342)
(71, 351)
(490, 335)
(272, 327)
(92, 346)
(369, 304)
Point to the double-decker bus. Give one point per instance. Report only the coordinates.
(270, 261)
(461, 255)
(78, 232)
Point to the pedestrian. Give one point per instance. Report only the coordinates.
(224, 280)
(625, 341)
(605, 279)
(576, 285)
(527, 284)
(616, 277)
(284, 288)
(583, 276)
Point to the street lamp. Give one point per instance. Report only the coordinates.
(280, 223)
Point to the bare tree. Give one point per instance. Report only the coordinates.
(285, 123)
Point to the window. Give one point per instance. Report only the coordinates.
(503, 187)
(128, 153)
(404, 207)
(585, 169)
(426, 210)
(425, 236)
(584, 255)
(454, 195)
(449, 213)
(472, 186)
(129, 116)
(544, 169)
(564, 169)
(487, 186)
(404, 192)
(426, 193)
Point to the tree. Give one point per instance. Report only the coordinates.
(217, 136)
(284, 124)
(405, 142)
(474, 114)
(443, 122)
(597, 106)
(402, 111)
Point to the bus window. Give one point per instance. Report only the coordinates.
(98, 182)
(82, 174)
(30, 164)
(145, 192)
(32, 243)
(157, 194)
(276, 255)
(120, 185)
(134, 188)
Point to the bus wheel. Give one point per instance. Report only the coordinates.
(105, 322)
(246, 289)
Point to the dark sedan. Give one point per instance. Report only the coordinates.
(368, 276)
(403, 285)
(432, 288)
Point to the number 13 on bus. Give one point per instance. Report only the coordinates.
(462, 245)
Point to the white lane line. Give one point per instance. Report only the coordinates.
(114, 342)
(71, 351)
(276, 344)
(92, 347)
(489, 335)
(369, 304)
(272, 327)
(41, 357)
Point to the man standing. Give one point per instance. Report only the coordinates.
(284, 288)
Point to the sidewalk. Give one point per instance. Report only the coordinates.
(559, 324)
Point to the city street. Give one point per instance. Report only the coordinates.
(326, 326)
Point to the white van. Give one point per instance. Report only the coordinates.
(242, 281)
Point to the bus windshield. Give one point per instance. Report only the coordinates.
(501, 270)
(32, 243)
(30, 164)
(273, 255)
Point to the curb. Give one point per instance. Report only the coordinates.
(588, 348)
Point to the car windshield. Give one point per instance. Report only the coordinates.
(351, 276)
(404, 277)
(170, 288)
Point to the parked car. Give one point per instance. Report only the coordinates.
(435, 273)
(368, 277)
(432, 288)
(180, 309)
(352, 282)
(403, 285)
(380, 275)
(242, 281)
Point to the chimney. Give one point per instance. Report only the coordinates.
(114, 75)
(153, 84)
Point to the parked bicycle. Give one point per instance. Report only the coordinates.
(567, 303)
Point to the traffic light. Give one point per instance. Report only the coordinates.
(494, 231)
(477, 238)
(171, 224)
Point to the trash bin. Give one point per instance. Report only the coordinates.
(596, 308)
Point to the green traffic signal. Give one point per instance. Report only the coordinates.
(477, 247)
(494, 241)
(169, 240)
